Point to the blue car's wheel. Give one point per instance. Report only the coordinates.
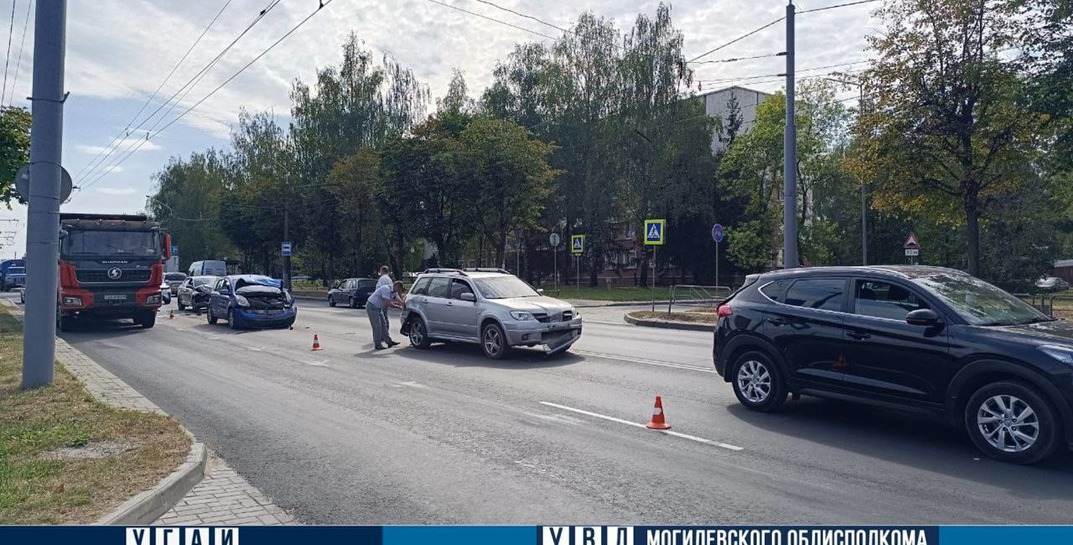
(232, 319)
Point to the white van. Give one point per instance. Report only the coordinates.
(211, 267)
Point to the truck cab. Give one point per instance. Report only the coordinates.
(111, 267)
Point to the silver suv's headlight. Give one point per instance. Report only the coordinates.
(1063, 354)
(242, 301)
(521, 315)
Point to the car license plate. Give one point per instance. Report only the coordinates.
(115, 297)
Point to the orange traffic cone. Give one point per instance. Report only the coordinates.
(658, 422)
(316, 343)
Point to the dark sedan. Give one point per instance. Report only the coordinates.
(911, 337)
(194, 292)
(352, 292)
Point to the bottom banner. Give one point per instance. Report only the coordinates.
(539, 535)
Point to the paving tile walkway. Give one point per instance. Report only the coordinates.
(225, 498)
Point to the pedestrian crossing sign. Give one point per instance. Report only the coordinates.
(655, 232)
(577, 244)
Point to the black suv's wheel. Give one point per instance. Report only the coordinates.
(331, 301)
(494, 341)
(758, 382)
(1011, 422)
(419, 334)
(353, 302)
(210, 316)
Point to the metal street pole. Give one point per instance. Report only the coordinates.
(43, 225)
(652, 288)
(555, 266)
(864, 191)
(717, 264)
(789, 161)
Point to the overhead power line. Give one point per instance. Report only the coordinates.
(7, 56)
(737, 59)
(738, 39)
(762, 76)
(847, 4)
(22, 43)
(493, 19)
(526, 15)
(153, 131)
(87, 171)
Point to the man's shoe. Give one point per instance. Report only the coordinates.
(378, 347)
(392, 343)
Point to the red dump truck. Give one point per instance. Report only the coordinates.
(111, 267)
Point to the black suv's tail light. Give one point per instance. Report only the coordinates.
(724, 311)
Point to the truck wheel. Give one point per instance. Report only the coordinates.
(145, 318)
(62, 324)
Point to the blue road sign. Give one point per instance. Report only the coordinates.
(655, 231)
(285, 249)
(717, 233)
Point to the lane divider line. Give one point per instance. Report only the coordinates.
(642, 361)
(727, 446)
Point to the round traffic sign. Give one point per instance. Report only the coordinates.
(554, 239)
(717, 233)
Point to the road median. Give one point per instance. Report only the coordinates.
(87, 448)
(687, 321)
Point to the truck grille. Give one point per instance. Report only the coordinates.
(129, 275)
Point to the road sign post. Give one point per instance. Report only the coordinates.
(655, 234)
(912, 248)
(554, 240)
(717, 236)
(577, 248)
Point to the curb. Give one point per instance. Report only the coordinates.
(146, 506)
(149, 505)
(668, 324)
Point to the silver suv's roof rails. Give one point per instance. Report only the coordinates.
(444, 271)
(487, 269)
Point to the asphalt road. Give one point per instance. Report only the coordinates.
(349, 435)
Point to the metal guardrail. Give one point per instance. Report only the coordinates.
(1044, 302)
(691, 295)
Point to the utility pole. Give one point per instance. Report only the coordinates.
(864, 188)
(43, 226)
(789, 160)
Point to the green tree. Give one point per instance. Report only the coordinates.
(14, 149)
(946, 124)
(187, 205)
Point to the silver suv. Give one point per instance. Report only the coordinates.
(490, 307)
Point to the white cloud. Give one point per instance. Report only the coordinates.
(122, 146)
(116, 190)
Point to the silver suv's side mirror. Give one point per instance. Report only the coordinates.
(467, 296)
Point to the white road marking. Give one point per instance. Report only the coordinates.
(643, 361)
(637, 425)
(254, 349)
(555, 418)
(322, 363)
(410, 384)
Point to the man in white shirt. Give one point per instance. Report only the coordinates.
(385, 276)
(376, 307)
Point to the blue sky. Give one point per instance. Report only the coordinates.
(119, 51)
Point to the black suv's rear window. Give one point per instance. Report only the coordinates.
(776, 290)
(821, 293)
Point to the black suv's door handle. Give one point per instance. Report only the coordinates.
(858, 335)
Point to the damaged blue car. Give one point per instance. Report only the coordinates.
(251, 300)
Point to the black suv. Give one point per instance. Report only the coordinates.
(905, 337)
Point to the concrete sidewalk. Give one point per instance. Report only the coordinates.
(225, 498)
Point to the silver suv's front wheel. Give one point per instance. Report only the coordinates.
(419, 333)
(494, 341)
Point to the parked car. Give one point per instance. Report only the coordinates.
(490, 307)
(1052, 283)
(210, 267)
(251, 300)
(165, 293)
(194, 292)
(912, 337)
(352, 292)
(173, 280)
